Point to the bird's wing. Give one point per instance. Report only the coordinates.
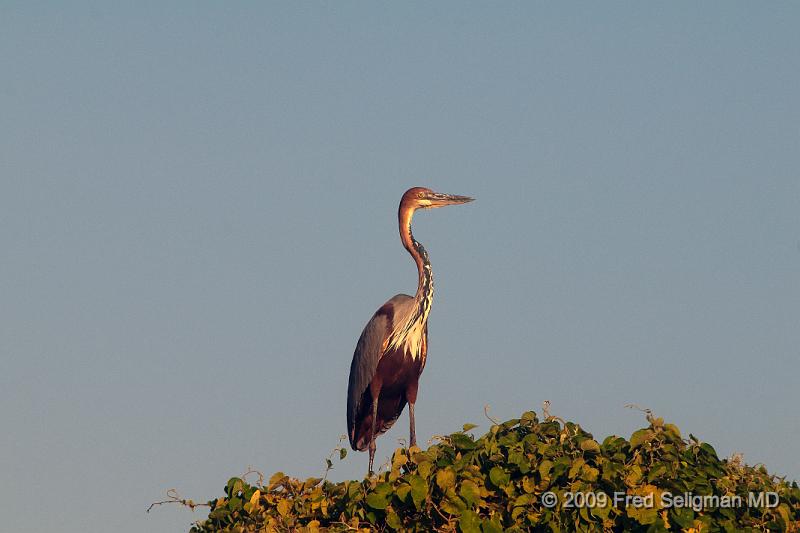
(369, 351)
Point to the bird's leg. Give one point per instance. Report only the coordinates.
(372, 433)
(411, 397)
(413, 438)
(371, 455)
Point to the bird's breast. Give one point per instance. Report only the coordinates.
(414, 342)
(397, 369)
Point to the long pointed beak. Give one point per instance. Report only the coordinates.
(441, 200)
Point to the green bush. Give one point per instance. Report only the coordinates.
(499, 482)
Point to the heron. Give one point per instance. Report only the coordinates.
(390, 354)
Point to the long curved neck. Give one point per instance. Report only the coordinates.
(409, 328)
(424, 295)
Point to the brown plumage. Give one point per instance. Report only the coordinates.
(390, 354)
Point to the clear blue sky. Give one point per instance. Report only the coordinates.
(197, 218)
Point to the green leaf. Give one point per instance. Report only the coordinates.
(516, 512)
(602, 512)
(634, 476)
(490, 526)
(284, 506)
(524, 500)
(419, 490)
(234, 485)
(528, 485)
(235, 503)
(683, 516)
(377, 501)
(612, 444)
(276, 478)
(672, 428)
(402, 492)
(643, 515)
(544, 469)
(399, 458)
(469, 522)
(590, 445)
(424, 468)
(445, 478)
(393, 521)
(452, 503)
(589, 473)
(656, 471)
(561, 465)
(576, 467)
(498, 477)
(706, 447)
(218, 514)
(342, 453)
(517, 457)
(508, 424)
(384, 489)
(353, 489)
(462, 441)
(640, 436)
(467, 427)
(470, 492)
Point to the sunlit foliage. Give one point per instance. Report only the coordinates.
(495, 483)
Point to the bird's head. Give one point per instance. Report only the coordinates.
(423, 198)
